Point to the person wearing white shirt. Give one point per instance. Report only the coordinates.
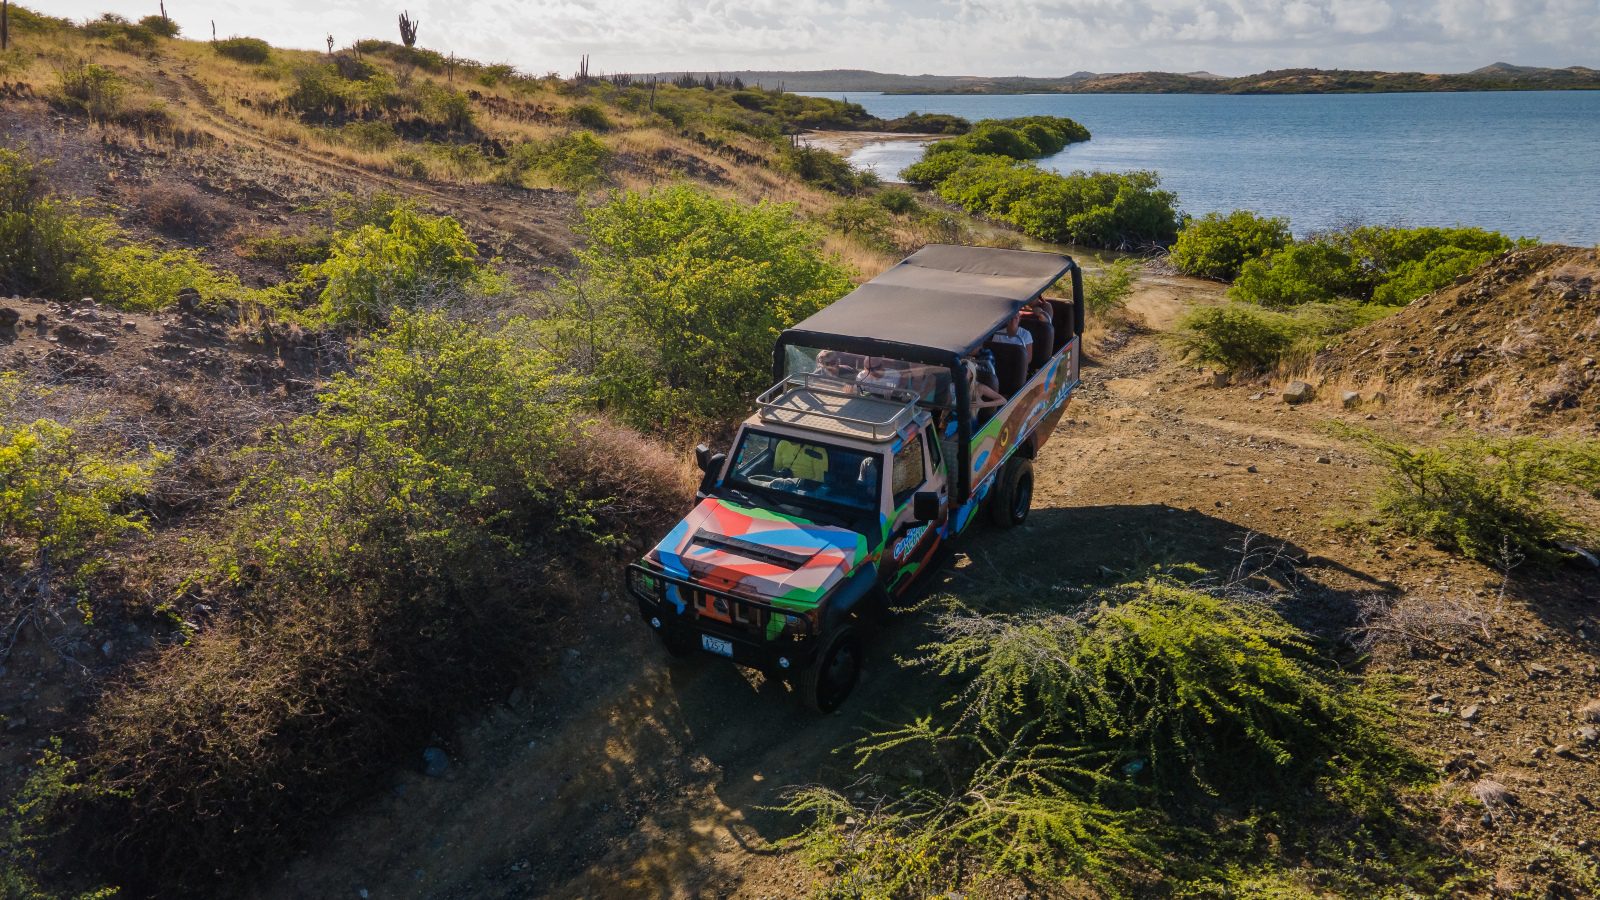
(1014, 333)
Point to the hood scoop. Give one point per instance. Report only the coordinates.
(786, 558)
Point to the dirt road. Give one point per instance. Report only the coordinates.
(624, 775)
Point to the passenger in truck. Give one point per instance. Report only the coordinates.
(1014, 333)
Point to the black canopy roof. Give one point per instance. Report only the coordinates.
(942, 300)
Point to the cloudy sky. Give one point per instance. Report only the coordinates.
(952, 37)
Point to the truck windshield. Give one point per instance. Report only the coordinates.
(807, 470)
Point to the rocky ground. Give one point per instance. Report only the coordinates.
(622, 775)
(1515, 344)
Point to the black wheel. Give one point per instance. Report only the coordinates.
(833, 674)
(679, 643)
(1013, 495)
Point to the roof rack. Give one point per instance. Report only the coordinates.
(824, 403)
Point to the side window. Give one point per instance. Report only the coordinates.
(933, 448)
(908, 470)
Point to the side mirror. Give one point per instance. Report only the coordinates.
(711, 464)
(925, 506)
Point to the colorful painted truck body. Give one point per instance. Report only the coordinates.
(870, 453)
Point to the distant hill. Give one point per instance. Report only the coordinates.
(1496, 77)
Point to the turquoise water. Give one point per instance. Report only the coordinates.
(1527, 164)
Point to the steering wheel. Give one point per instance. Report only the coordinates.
(762, 480)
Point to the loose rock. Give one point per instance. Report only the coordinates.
(1298, 392)
(1350, 399)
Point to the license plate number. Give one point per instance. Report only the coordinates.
(716, 645)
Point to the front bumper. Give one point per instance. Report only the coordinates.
(675, 611)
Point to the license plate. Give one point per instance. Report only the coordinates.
(716, 645)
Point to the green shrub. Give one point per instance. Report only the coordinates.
(823, 168)
(288, 249)
(897, 200)
(934, 168)
(377, 560)
(1244, 337)
(1069, 738)
(411, 261)
(48, 249)
(62, 503)
(1496, 500)
(1029, 812)
(443, 106)
(591, 116)
(26, 20)
(244, 49)
(1108, 289)
(121, 33)
(1236, 336)
(1217, 245)
(459, 161)
(1305, 272)
(1101, 209)
(160, 25)
(1414, 278)
(1367, 264)
(860, 218)
(928, 123)
(31, 819)
(93, 88)
(1029, 137)
(494, 73)
(1097, 209)
(577, 161)
(373, 135)
(678, 296)
(144, 279)
(320, 91)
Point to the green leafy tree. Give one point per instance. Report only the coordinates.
(1217, 245)
(678, 298)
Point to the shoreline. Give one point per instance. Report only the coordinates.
(846, 143)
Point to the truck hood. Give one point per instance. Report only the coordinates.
(758, 553)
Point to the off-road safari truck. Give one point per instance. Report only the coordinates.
(897, 413)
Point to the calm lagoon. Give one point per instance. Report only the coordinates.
(1525, 163)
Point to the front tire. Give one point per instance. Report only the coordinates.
(833, 674)
(1013, 494)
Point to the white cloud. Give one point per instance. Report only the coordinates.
(944, 36)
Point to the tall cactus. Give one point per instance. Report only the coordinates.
(408, 30)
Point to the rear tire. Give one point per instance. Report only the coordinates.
(833, 674)
(1013, 494)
